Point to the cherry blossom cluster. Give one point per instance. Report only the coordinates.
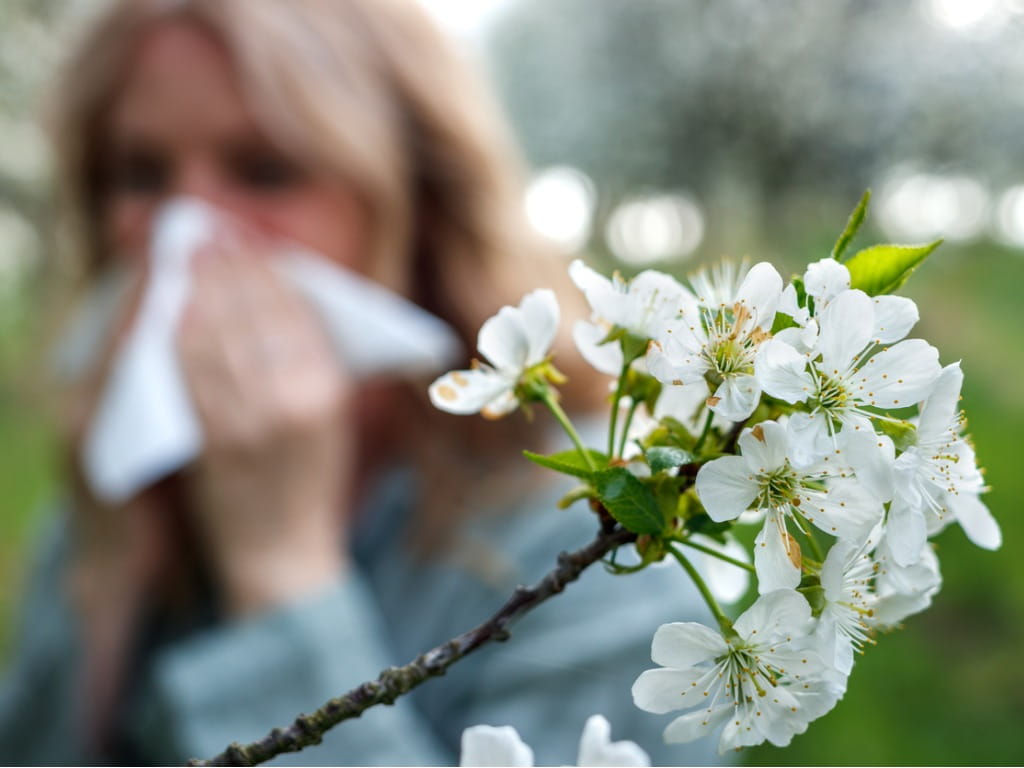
(740, 399)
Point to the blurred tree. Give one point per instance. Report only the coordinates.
(757, 107)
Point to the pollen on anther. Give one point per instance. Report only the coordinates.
(447, 393)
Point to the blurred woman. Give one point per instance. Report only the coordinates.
(331, 526)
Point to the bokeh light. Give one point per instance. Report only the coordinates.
(646, 230)
(1010, 216)
(560, 206)
(922, 206)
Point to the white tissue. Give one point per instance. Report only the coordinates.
(145, 426)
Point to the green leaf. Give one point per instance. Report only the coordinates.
(569, 462)
(852, 225)
(629, 501)
(884, 268)
(903, 433)
(667, 457)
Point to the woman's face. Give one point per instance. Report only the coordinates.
(179, 125)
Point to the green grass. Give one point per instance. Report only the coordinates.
(27, 466)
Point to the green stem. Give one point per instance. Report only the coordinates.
(625, 427)
(704, 434)
(715, 553)
(619, 387)
(723, 621)
(549, 400)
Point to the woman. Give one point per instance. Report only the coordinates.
(324, 533)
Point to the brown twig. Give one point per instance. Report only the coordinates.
(393, 682)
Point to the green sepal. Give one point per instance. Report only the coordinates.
(629, 501)
(633, 347)
(782, 322)
(642, 387)
(852, 225)
(569, 462)
(677, 434)
(903, 433)
(815, 596)
(578, 493)
(662, 458)
(884, 268)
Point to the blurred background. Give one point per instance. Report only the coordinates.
(666, 133)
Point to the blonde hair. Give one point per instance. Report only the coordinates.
(370, 90)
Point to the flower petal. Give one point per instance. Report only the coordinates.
(824, 280)
(789, 305)
(485, 745)
(683, 644)
(694, 725)
(738, 396)
(469, 391)
(809, 440)
(540, 317)
(845, 330)
(760, 293)
(597, 748)
(901, 375)
(726, 487)
(598, 289)
(772, 562)
(845, 510)
(607, 358)
(782, 371)
(783, 611)
(666, 690)
(940, 409)
(655, 301)
(765, 446)
(503, 341)
(979, 525)
(871, 456)
(905, 531)
(894, 317)
(671, 361)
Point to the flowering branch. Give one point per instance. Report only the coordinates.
(394, 682)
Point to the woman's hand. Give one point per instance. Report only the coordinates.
(273, 481)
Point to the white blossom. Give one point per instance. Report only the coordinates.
(643, 307)
(763, 477)
(513, 341)
(763, 681)
(715, 345)
(485, 745)
(844, 380)
(939, 479)
(846, 618)
(488, 745)
(902, 591)
(823, 281)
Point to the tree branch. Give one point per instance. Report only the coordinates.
(393, 682)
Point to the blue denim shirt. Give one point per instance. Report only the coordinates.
(575, 655)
